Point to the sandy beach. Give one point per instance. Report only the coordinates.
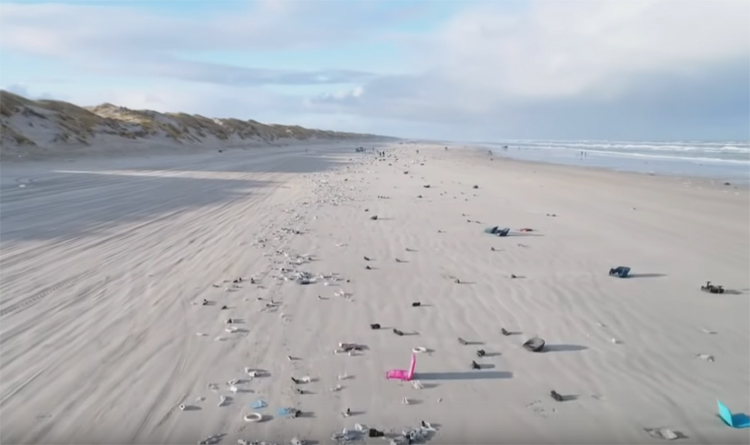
(106, 264)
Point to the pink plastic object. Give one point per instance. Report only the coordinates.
(403, 374)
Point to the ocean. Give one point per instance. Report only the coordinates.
(727, 161)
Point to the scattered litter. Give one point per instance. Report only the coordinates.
(346, 436)
(739, 420)
(556, 396)
(416, 304)
(182, 407)
(375, 326)
(405, 401)
(349, 347)
(712, 289)
(337, 388)
(662, 433)
(417, 435)
(496, 230)
(620, 271)
(304, 278)
(535, 344)
(222, 400)
(259, 404)
(419, 350)
(416, 384)
(255, 372)
(253, 417)
(288, 412)
(706, 357)
(708, 331)
(403, 374)
(211, 440)
(201, 334)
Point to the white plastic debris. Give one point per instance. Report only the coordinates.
(253, 417)
(662, 433)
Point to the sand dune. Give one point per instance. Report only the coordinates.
(32, 129)
(105, 265)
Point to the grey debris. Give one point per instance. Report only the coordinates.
(663, 433)
(346, 436)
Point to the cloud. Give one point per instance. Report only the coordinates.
(64, 30)
(537, 69)
(635, 69)
(173, 68)
(115, 40)
(563, 48)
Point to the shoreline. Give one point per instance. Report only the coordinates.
(481, 154)
(666, 167)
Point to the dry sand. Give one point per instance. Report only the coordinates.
(105, 264)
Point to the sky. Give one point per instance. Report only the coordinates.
(460, 70)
